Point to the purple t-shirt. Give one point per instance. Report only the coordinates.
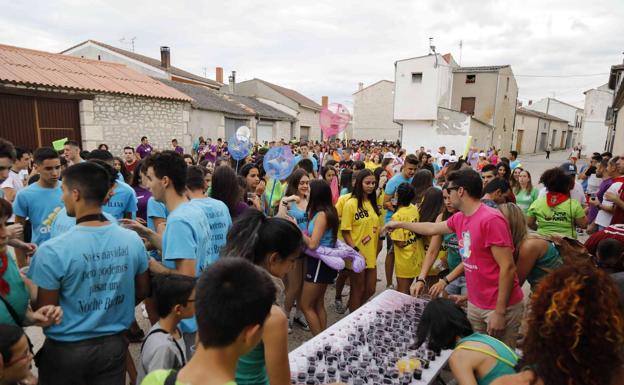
(211, 153)
(593, 210)
(144, 150)
(179, 150)
(143, 196)
(476, 234)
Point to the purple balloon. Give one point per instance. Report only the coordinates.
(239, 148)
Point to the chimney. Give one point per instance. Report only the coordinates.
(324, 101)
(165, 57)
(219, 75)
(530, 102)
(360, 86)
(232, 81)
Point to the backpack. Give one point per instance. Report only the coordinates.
(572, 251)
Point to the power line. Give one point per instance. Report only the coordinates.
(561, 76)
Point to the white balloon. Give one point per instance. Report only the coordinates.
(243, 132)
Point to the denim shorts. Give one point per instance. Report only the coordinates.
(457, 287)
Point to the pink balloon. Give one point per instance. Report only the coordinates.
(334, 119)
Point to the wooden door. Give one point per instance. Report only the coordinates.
(519, 141)
(468, 105)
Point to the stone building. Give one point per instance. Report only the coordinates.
(372, 112)
(46, 96)
(535, 130)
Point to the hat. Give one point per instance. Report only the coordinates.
(453, 159)
(569, 168)
(389, 155)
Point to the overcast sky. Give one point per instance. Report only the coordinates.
(327, 47)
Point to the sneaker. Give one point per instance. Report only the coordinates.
(290, 325)
(301, 321)
(346, 290)
(340, 307)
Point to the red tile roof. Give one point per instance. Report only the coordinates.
(38, 68)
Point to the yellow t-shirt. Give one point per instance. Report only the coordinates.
(382, 210)
(364, 227)
(339, 205)
(371, 165)
(408, 259)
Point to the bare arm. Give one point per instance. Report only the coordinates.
(346, 234)
(581, 222)
(532, 223)
(529, 252)
(275, 338)
(507, 271)
(424, 228)
(141, 286)
(463, 368)
(387, 202)
(46, 297)
(9, 193)
(20, 254)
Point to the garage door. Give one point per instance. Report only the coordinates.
(231, 125)
(265, 132)
(32, 122)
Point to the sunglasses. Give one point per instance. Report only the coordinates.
(449, 189)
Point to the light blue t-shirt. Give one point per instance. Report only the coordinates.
(155, 209)
(123, 201)
(391, 188)
(41, 205)
(63, 222)
(219, 220)
(187, 236)
(93, 269)
(326, 239)
(313, 159)
(299, 215)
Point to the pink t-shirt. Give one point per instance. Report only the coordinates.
(476, 234)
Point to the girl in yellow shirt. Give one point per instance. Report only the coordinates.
(409, 250)
(360, 228)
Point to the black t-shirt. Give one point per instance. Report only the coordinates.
(346, 164)
(591, 170)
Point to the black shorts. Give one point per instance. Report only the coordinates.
(317, 271)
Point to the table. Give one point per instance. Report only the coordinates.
(342, 334)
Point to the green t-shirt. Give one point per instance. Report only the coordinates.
(158, 377)
(524, 199)
(18, 295)
(559, 220)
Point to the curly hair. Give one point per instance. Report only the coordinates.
(575, 328)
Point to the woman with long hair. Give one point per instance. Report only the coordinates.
(346, 181)
(373, 162)
(503, 171)
(514, 181)
(118, 165)
(294, 206)
(476, 358)
(274, 244)
(225, 188)
(575, 331)
(525, 193)
(450, 245)
(556, 213)
(381, 177)
(428, 211)
(322, 230)
(534, 256)
(423, 180)
(360, 225)
(328, 174)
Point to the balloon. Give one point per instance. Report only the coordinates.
(238, 148)
(279, 162)
(334, 119)
(243, 132)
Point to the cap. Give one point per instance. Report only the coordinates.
(389, 155)
(453, 159)
(569, 168)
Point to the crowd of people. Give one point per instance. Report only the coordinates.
(220, 259)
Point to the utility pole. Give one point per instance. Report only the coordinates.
(461, 45)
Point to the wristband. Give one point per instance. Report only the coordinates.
(421, 280)
(356, 248)
(446, 280)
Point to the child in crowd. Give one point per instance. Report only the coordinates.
(234, 298)
(163, 347)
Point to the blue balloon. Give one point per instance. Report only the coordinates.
(239, 148)
(279, 162)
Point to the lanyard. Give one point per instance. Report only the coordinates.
(92, 217)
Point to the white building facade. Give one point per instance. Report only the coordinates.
(597, 101)
(572, 114)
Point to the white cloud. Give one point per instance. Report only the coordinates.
(327, 47)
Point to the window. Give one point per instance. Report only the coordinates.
(416, 77)
(99, 58)
(468, 105)
(471, 79)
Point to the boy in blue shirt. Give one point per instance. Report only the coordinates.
(41, 201)
(95, 272)
(405, 176)
(217, 213)
(185, 245)
(123, 203)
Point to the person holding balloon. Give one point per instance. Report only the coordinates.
(360, 228)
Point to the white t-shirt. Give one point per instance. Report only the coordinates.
(603, 218)
(14, 181)
(593, 184)
(576, 193)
